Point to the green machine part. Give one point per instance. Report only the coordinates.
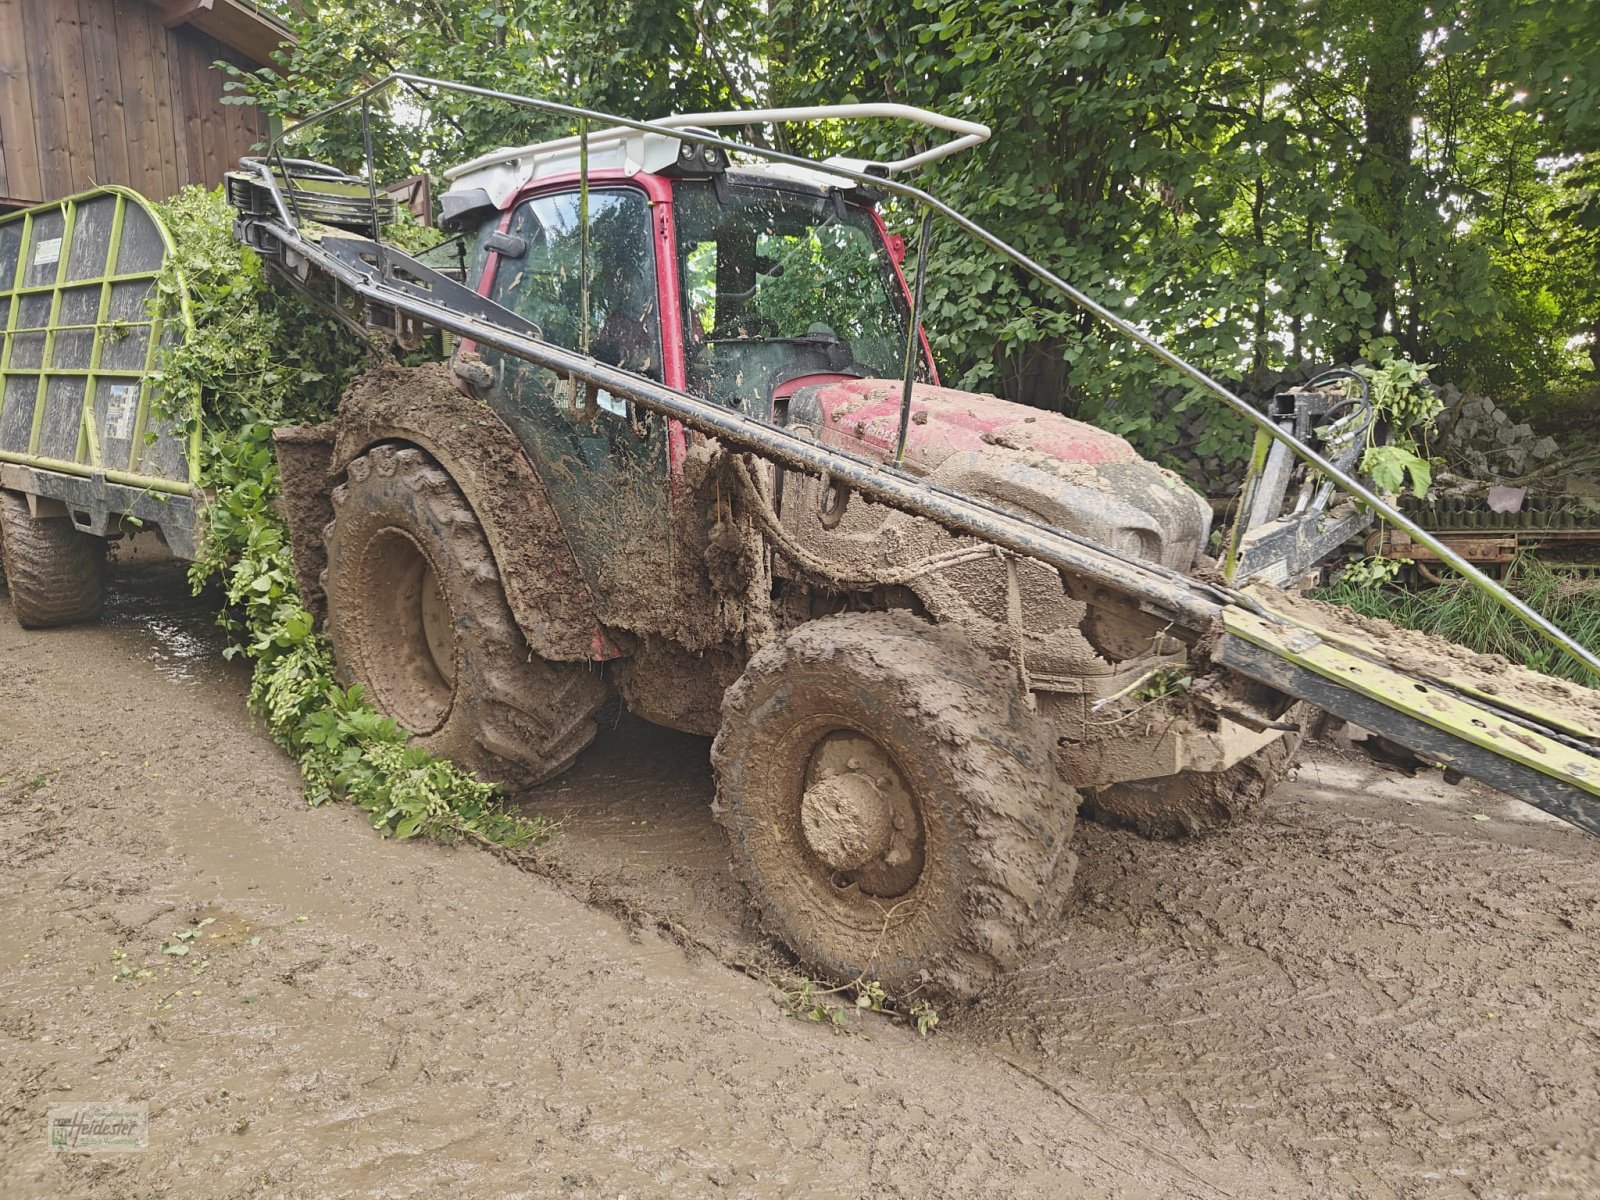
(77, 277)
(82, 420)
(1512, 738)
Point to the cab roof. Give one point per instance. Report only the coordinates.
(494, 179)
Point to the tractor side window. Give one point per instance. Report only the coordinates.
(545, 285)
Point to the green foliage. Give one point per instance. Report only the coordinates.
(259, 358)
(1259, 186)
(1371, 572)
(1459, 612)
(1390, 467)
(828, 275)
(835, 1007)
(1406, 403)
(1400, 392)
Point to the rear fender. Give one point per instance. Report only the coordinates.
(422, 406)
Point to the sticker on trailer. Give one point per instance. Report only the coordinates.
(47, 252)
(120, 410)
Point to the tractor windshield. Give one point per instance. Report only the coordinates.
(779, 284)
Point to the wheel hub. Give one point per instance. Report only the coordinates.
(408, 642)
(847, 821)
(859, 818)
(437, 626)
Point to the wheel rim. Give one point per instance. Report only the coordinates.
(437, 629)
(408, 658)
(859, 821)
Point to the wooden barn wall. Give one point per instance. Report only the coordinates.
(97, 92)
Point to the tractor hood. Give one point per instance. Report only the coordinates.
(863, 416)
(1073, 475)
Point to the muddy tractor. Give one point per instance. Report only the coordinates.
(906, 720)
(685, 446)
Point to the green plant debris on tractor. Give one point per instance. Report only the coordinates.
(260, 358)
(1406, 404)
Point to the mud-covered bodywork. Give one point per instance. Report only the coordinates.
(1069, 648)
(1075, 476)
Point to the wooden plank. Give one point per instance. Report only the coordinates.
(5, 174)
(206, 82)
(145, 168)
(186, 106)
(66, 46)
(43, 60)
(101, 58)
(157, 55)
(238, 26)
(245, 122)
(23, 174)
(177, 103)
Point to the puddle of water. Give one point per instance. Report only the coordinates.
(218, 927)
(178, 631)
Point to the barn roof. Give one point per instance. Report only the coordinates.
(237, 24)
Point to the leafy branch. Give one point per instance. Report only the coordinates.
(259, 358)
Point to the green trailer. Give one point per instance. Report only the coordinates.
(90, 448)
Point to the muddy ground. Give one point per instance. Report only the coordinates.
(1364, 990)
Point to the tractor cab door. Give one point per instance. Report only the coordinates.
(604, 465)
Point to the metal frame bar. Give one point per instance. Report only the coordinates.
(69, 215)
(913, 338)
(88, 435)
(878, 181)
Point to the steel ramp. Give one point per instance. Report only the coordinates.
(1515, 739)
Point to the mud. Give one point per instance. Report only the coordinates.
(1359, 991)
(688, 622)
(304, 454)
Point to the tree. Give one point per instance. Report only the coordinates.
(1258, 188)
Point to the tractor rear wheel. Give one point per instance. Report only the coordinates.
(892, 804)
(56, 574)
(417, 616)
(1195, 802)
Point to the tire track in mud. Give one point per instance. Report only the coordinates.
(1391, 1006)
(407, 1019)
(1360, 991)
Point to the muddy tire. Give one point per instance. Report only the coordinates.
(55, 573)
(417, 616)
(1195, 802)
(892, 805)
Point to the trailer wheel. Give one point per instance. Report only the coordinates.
(417, 616)
(1194, 802)
(55, 572)
(892, 804)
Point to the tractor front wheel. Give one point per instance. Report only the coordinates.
(892, 804)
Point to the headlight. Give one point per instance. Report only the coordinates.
(1140, 543)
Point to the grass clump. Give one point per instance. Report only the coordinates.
(1458, 612)
(258, 357)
